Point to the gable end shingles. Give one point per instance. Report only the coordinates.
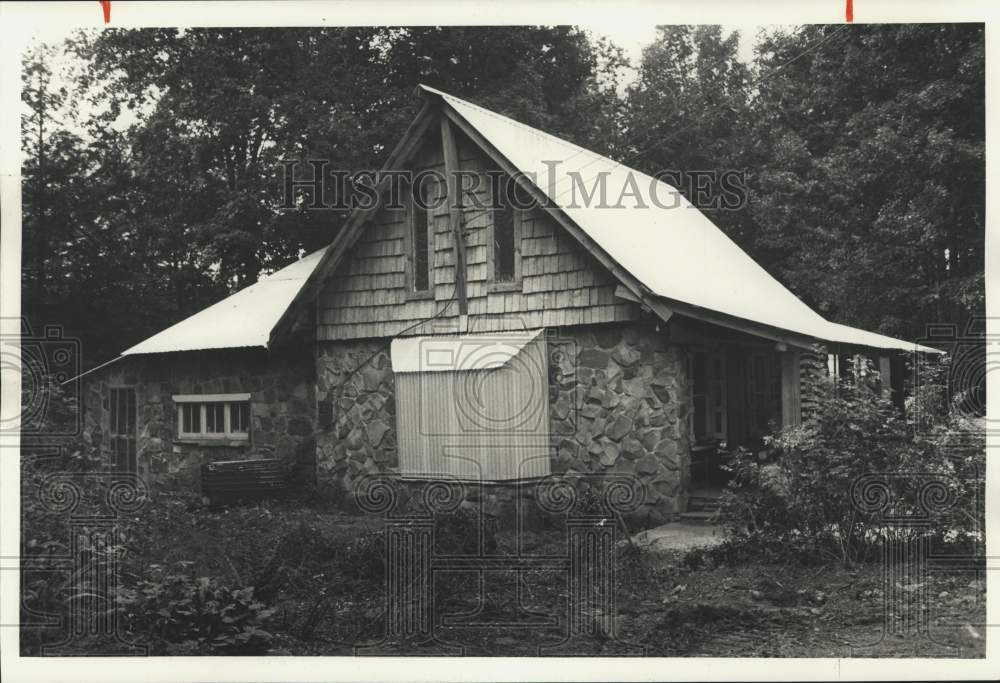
(561, 283)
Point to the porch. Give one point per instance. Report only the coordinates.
(742, 388)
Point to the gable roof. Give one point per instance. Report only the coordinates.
(663, 249)
(244, 319)
(654, 233)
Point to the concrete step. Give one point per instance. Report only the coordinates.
(703, 504)
(701, 517)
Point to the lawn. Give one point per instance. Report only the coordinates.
(321, 571)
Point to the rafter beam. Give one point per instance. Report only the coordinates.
(450, 150)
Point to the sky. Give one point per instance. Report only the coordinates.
(632, 37)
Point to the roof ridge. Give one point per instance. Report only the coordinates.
(532, 129)
(615, 164)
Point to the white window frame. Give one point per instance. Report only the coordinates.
(203, 401)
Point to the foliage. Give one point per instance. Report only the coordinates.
(867, 185)
(175, 612)
(45, 534)
(687, 110)
(182, 131)
(47, 409)
(801, 493)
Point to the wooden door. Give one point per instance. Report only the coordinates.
(122, 428)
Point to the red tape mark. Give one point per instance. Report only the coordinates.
(850, 10)
(106, 6)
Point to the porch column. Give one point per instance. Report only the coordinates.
(791, 389)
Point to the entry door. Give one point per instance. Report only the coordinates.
(123, 429)
(708, 396)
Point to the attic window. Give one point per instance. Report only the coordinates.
(419, 247)
(506, 228)
(220, 417)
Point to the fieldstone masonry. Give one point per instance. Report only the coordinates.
(356, 396)
(282, 408)
(617, 406)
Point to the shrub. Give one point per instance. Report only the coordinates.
(178, 613)
(45, 535)
(797, 494)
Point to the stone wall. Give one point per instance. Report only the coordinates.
(282, 408)
(356, 404)
(618, 406)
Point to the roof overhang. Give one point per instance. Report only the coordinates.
(462, 353)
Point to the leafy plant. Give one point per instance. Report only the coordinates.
(176, 612)
(796, 496)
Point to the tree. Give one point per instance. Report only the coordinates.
(688, 112)
(868, 171)
(179, 178)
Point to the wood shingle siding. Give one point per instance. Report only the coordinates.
(561, 284)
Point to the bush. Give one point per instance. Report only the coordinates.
(178, 613)
(45, 537)
(797, 494)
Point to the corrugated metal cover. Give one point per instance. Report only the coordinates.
(457, 353)
(485, 424)
(243, 319)
(655, 233)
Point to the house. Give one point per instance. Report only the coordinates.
(519, 332)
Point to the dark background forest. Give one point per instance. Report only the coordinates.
(152, 183)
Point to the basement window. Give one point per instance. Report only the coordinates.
(213, 417)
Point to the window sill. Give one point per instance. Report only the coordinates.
(212, 441)
(497, 287)
(420, 296)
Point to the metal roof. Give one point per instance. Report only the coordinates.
(458, 353)
(652, 231)
(244, 319)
